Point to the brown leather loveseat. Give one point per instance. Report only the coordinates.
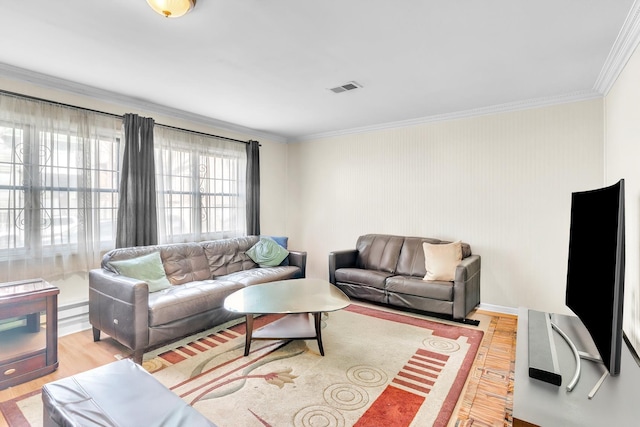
(391, 270)
(201, 275)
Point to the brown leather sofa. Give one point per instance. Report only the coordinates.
(390, 269)
(202, 275)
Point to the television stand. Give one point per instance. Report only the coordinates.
(537, 403)
(577, 355)
(596, 387)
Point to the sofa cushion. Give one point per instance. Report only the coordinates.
(441, 260)
(267, 253)
(229, 255)
(378, 252)
(359, 276)
(411, 259)
(407, 285)
(263, 275)
(147, 268)
(189, 299)
(185, 262)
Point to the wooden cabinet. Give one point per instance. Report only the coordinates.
(27, 351)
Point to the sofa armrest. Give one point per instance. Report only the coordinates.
(119, 307)
(299, 259)
(341, 259)
(466, 286)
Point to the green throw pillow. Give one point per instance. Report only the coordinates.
(267, 253)
(147, 268)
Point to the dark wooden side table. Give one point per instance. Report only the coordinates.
(27, 351)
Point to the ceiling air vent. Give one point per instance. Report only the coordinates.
(345, 87)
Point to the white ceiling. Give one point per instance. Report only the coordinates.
(267, 65)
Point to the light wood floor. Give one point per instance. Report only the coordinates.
(78, 353)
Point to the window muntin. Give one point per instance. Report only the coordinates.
(201, 194)
(47, 181)
(201, 183)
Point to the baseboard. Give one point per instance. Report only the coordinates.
(498, 309)
(73, 318)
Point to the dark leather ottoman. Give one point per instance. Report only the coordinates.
(118, 394)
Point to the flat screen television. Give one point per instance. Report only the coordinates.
(595, 275)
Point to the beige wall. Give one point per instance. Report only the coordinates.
(622, 160)
(500, 182)
(273, 188)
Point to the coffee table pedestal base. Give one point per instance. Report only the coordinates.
(298, 326)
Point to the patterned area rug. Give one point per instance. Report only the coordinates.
(379, 369)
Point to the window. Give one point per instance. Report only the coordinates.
(60, 179)
(46, 180)
(201, 185)
(12, 199)
(59, 174)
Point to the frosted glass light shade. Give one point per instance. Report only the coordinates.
(172, 8)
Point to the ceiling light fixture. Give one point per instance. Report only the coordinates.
(172, 8)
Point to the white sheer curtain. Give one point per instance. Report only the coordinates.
(201, 182)
(58, 189)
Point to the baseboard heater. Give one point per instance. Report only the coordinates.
(543, 360)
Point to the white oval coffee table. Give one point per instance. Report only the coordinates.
(302, 300)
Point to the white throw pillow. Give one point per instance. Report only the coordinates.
(441, 260)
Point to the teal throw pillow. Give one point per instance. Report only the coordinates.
(282, 241)
(147, 268)
(267, 253)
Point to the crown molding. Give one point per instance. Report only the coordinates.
(622, 49)
(483, 111)
(50, 82)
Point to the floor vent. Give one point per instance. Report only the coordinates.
(346, 87)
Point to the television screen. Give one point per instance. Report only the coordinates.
(595, 275)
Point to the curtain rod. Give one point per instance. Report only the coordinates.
(62, 104)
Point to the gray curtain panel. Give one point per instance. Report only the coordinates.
(253, 188)
(137, 216)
